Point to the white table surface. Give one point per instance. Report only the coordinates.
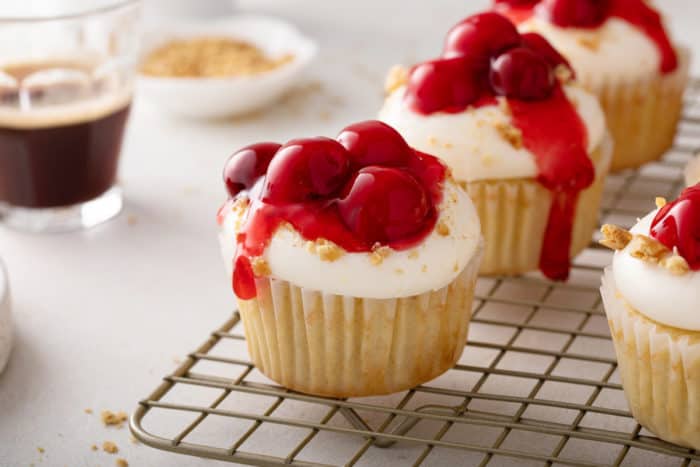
(102, 315)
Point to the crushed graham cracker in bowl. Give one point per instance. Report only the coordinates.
(209, 57)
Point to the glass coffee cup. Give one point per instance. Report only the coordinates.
(66, 83)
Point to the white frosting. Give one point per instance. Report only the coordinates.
(616, 49)
(5, 320)
(469, 141)
(654, 291)
(431, 265)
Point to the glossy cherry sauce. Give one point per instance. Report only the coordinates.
(677, 225)
(365, 188)
(484, 58)
(592, 13)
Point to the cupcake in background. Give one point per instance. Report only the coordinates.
(620, 51)
(530, 146)
(651, 295)
(353, 261)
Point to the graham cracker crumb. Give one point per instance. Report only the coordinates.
(563, 73)
(591, 43)
(113, 419)
(487, 160)
(424, 268)
(442, 228)
(448, 145)
(378, 255)
(260, 267)
(41, 450)
(397, 77)
(210, 57)
(432, 140)
(511, 134)
(88, 411)
(122, 462)
(413, 254)
(660, 202)
(328, 251)
(94, 447)
(614, 237)
(647, 249)
(675, 264)
(399, 271)
(110, 447)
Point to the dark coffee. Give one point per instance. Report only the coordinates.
(65, 149)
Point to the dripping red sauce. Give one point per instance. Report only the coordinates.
(484, 58)
(677, 225)
(591, 14)
(365, 188)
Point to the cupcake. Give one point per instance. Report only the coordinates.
(528, 144)
(692, 171)
(353, 261)
(651, 295)
(620, 51)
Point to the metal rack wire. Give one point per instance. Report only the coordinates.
(537, 384)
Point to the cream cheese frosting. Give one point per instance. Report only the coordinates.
(471, 142)
(430, 265)
(615, 50)
(653, 291)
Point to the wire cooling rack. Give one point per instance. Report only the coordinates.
(537, 384)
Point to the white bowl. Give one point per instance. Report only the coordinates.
(225, 97)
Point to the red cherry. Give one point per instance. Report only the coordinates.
(306, 169)
(539, 44)
(677, 225)
(382, 204)
(521, 73)
(574, 13)
(374, 143)
(246, 165)
(443, 85)
(485, 35)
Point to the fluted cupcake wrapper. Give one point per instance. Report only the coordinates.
(514, 215)
(643, 115)
(341, 346)
(659, 367)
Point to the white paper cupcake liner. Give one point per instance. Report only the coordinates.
(514, 215)
(643, 115)
(660, 369)
(340, 346)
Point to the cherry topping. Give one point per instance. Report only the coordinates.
(575, 13)
(374, 143)
(245, 166)
(523, 74)
(306, 169)
(382, 204)
(517, 3)
(539, 44)
(484, 35)
(449, 84)
(677, 225)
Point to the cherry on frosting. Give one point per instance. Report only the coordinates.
(484, 35)
(306, 169)
(523, 74)
(575, 13)
(677, 225)
(374, 143)
(245, 166)
(448, 84)
(516, 3)
(384, 204)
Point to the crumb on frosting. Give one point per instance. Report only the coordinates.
(261, 268)
(563, 73)
(413, 254)
(121, 462)
(591, 43)
(378, 254)
(660, 202)
(397, 77)
(325, 249)
(510, 133)
(644, 248)
(424, 268)
(442, 228)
